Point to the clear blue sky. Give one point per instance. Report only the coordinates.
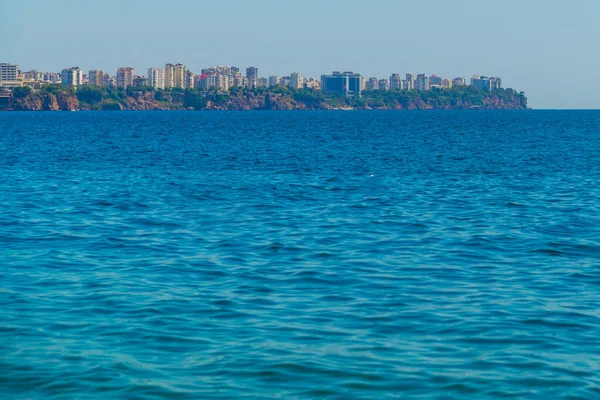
(547, 48)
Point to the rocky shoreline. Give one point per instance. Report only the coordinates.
(60, 99)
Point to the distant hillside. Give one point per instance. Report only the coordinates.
(56, 97)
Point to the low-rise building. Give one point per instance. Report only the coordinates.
(435, 81)
(459, 82)
(312, 83)
(33, 75)
(485, 83)
(140, 80)
(51, 77)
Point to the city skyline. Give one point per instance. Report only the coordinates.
(225, 77)
(520, 41)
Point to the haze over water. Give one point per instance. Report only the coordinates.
(343, 255)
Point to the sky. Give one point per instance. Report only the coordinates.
(547, 48)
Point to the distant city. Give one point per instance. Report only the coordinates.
(223, 78)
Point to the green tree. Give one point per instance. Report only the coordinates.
(21, 92)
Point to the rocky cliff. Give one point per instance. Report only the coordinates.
(94, 98)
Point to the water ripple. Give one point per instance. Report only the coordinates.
(300, 255)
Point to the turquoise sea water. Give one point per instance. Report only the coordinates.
(343, 255)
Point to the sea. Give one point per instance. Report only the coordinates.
(300, 255)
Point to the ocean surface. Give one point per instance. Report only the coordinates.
(305, 255)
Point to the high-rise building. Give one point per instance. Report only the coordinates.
(274, 81)
(189, 79)
(9, 76)
(9, 72)
(179, 76)
(395, 82)
(156, 78)
(372, 84)
(223, 82)
(410, 81)
(383, 84)
(252, 75)
(296, 80)
(96, 77)
(125, 77)
(169, 76)
(71, 76)
(422, 83)
(342, 83)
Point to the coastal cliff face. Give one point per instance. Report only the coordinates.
(46, 102)
(94, 98)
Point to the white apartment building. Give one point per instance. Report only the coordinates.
(9, 75)
(223, 82)
(71, 76)
(156, 78)
(296, 80)
(169, 76)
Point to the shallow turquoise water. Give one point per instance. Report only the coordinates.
(343, 255)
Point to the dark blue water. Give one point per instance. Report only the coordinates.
(346, 255)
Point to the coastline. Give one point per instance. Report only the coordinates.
(56, 98)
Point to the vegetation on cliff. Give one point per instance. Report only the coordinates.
(56, 97)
